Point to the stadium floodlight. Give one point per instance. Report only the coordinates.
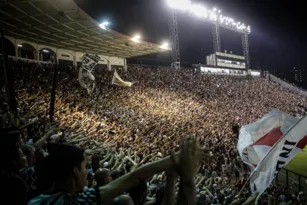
(45, 51)
(103, 25)
(213, 14)
(165, 46)
(199, 11)
(179, 4)
(136, 39)
(20, 46)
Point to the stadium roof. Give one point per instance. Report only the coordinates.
(62, 24)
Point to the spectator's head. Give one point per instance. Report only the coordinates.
(11, 136)
(68, 166)
(13, 159)
(5, 106)
(214, 174)
(103, 177)
(29, 152)
(95, 162)
(116, 174)
(139, 193)
(122, 200)
(301, 196)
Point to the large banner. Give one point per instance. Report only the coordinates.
(269, 144)
(86, 78)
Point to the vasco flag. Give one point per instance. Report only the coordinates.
(283, 137)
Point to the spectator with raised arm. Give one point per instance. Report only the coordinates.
(69, 170)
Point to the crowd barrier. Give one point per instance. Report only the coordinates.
(288, 86)
(292, 181)
(28, 60)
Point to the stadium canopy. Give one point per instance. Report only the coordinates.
(62, 24)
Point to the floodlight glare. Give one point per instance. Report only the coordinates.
(136, 38)
(170, 3)
(45, 51)
(222, 19)
(164, 46)
(212, 14)
(179, 4)
(19, 45)
(103, 25)
(199, 10)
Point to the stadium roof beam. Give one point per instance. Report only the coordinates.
(33, 16)
(63, 24)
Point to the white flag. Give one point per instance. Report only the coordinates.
(280, 142)
(256, 139)
(116, 80)
(86, 78)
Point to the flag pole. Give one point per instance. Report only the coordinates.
(53, 93)
(244, 186)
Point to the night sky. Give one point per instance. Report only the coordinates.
(277, 41)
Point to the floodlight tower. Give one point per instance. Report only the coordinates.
(245, 48)
(217, 42)
(212, 15)
(216, 38)
(174, 37)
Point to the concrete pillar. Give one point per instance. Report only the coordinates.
(57, 56)
(37, 53)
(16, 48)
(125, 64)
(75, 58)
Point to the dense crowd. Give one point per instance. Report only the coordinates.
(120, 138)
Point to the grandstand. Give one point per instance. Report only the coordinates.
(146, 120)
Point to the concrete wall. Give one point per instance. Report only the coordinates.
(64, 54)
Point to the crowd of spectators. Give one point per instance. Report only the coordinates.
(124, 145)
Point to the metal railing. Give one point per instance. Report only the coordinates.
(27, 60)
(292, 181)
